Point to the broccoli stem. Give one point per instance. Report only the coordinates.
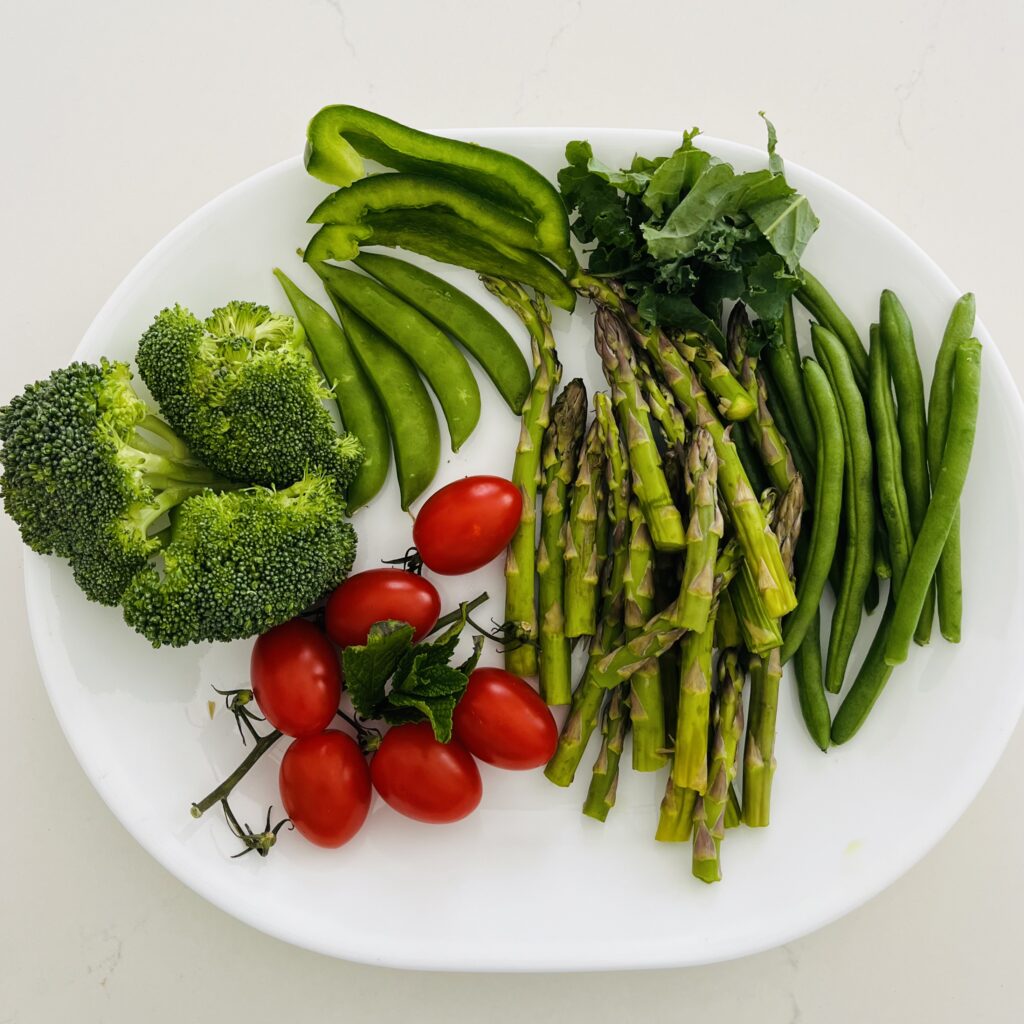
(175, 447)
(160, 471)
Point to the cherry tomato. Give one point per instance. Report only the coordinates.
(376, 595)
(325, 787)
(295, 678)
(467, 524)
(424, 779)
(502, 720)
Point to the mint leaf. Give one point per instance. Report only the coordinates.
(433, 690)
(437, 711)
(368, 667)
(471, 662)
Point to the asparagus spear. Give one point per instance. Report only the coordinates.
(660, 633)
(646, 711)
(520, 564)
(586, 700)
(765, 674)
(561, 446)
(690, 756)
(586, 538)
(734, 400)
(605, 777)
(709, 818)
(649, 481)
(675, 816)
(702, 535)
(760, 548)
(761, 631)
(690, 759)
(733, 810)
(766, 435)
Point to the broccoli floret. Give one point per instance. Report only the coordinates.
(88, 471)
(241, 562)
(245, 393)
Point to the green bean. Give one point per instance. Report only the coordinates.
(888, 460)
(444, 366)
(412, 421)
(456, 313)
(779, 411)
(948, 585)
(898, 339)
(858, 500)
(868, 685)
(816, 300)
(828, 501)
(749, 459)
(945, 500)
(810, 685)
(360, 408)
(784, 363)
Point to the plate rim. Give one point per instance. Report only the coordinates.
(34, 576)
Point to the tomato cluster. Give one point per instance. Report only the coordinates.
(326, 784)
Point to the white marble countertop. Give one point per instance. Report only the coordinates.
(120, 118)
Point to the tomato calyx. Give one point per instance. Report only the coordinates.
(237, 702)
(410, 561)
(507, 635)
(367, 736)
(261, 842)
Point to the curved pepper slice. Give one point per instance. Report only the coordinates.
(339, 137)
(387, 192)
(445, 238)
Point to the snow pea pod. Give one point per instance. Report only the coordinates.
(435, 356)
(455, 312)
(360, 408)
(412, 421)
(339, 136)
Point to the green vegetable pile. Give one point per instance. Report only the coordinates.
(216, 527)
(723, 484)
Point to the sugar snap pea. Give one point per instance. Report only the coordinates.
(361, 410)
(888, 459)
(412, 421)
(436, 357)
(340, 135)
(448, 239)
(898, 338)
(858, 504)
(828, 500)
(949, 483)
(948, 585)
(455, 312)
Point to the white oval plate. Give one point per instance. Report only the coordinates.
(527, 882)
